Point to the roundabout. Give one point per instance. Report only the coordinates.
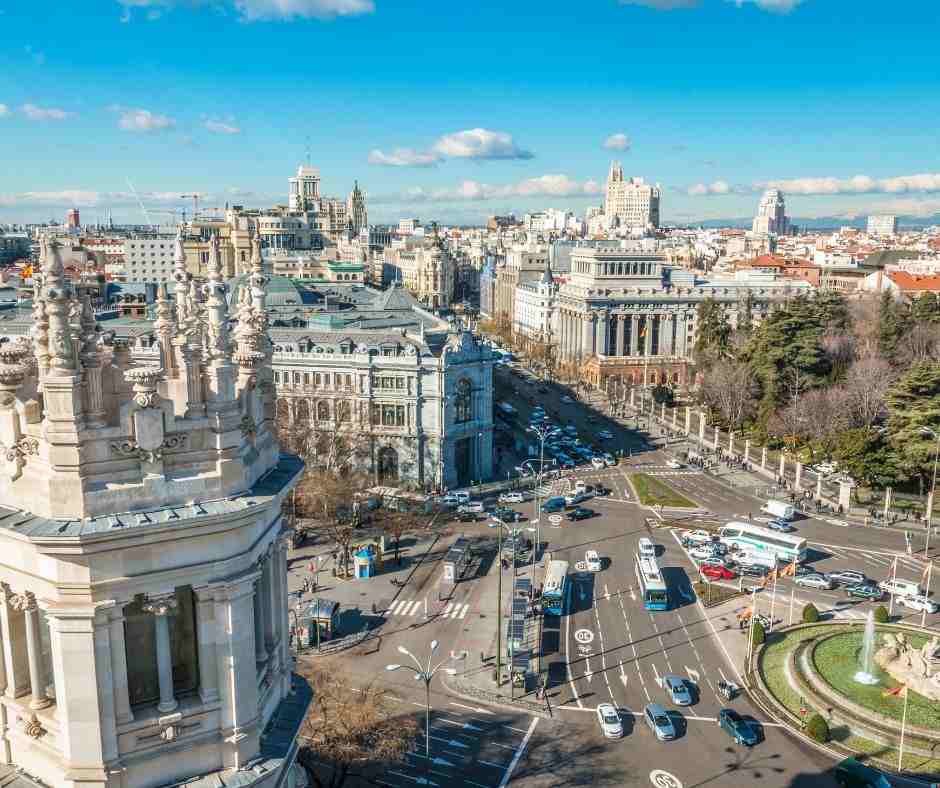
(865, 690)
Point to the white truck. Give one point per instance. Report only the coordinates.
(778, 509)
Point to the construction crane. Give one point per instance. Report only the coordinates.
(195, 197)
(172, 211)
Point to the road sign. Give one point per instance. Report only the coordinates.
(662, 779)
(584, 636)
(580, 566)
(554, 519)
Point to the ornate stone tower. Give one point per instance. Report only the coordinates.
(143, 578)
(356, 210)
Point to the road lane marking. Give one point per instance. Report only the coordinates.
(447, 609)
(477, 709)
(568, 655)
(515, 758)
(463, 611)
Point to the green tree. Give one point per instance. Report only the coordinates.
(881, 615)
(817, 728)
(890, 325)
(926, 308)
(758, 634)
(913, 405)
(713, 333)
(746, 319)
(663, 394)
(810, 614)
(867, 457)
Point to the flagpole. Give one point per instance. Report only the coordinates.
(894, 576)
(792, 590)
(907, 692)
(773, 600)
(923, 613)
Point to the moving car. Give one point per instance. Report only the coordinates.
(580, 513)
(826, 468)
(901, 587)
(778, 509)
(609, 460)
(593, 561)
(848, 577)
(865, 591)
(609, 720)
(780, 525)
(677, 690)
(815, 580)
(598, 463)
(475, 506)
(600, 489)
(671, 463)
(507, 515)
(919, 603)
(697, 536)
(606, 435)
(566, 398)
(580, 486)
(556, 504)
(852, 774)
(702, 551)
(646, 547)
(467, 517)
(575, 499)
(737, 727)
(659, 722)
(511, 497)
(714, 572)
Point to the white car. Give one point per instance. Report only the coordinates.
(702, 552)
(511, 497)
(919, 603)
(580, 486)
(574, 500)
(609, 460)
(826, 468)
(816, 580)
(476, 508)
(697, 536)
(609, 720)
(598, 463)
(593, 561)
(674, 464)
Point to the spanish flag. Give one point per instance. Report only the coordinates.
(789, 570)
(900, 691)
(27, 272)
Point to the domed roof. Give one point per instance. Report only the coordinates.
(281, 291)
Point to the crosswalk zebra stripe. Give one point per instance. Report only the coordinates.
(463, 611)
(395, 606)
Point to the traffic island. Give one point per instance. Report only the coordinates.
(714, 594)
(825, 669)
(651, 491)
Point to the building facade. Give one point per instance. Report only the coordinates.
(535, 309)
(771, 218)
(882, 224)
(425, 268)
(149, 259)
(143, 583)
(630, 202)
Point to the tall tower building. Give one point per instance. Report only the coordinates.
(356, 210)
(72, 219)
(143, 590)
(771, 216)
(630, 202)
(304, 188)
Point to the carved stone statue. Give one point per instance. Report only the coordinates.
(910, 665)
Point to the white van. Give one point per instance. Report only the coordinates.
(462, 497)
(745, 558)
(580, 486)
(646, 547)
(778, 509)
(593, 561)
(901, 587)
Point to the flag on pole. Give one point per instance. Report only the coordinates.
(790, 569)
(899, 692)
(924, 577)
(27, 272)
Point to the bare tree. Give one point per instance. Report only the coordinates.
(839, 349)
(349, 733)
(730, 388)
(864, 314)
(866, 383)
(397, 524)
(920, 343)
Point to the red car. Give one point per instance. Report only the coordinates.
(718, 572)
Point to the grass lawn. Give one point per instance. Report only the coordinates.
(654, 492)
(711, 594)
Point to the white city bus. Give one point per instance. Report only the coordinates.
(762, 541)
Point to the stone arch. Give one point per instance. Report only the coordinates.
(387, 465)
(302, 411)
(463, 401)
(323, 410)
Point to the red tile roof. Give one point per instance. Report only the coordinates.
(906, 281)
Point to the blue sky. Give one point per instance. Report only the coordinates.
(456, 111)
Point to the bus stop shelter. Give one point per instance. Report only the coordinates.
(317, 622)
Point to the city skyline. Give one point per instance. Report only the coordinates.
(167, 98)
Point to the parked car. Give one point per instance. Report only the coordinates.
(901, 587)
(826, 468)
(865, 591)
(780, 525)
(566, 398)
(565, 461)
(593, 561)
(677, 690)
(575, 498)
(714, 572)
(702, 551)
(697, 536)
(737, 727)
(919, 603)
(849, 577)
(474, 506)
(609, 460)
(598, 463)
(609, 720)
(718, 560)
(556, 504)
(671, 463)
(600, 489)
(580, 513)
(606, 435)
(467, 517)
(659, 722)
(507, 515)
(816, 580)
(753, 570)
(511, 497)
(852, 774)
(451, 499)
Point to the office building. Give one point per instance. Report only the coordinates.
(630, 202)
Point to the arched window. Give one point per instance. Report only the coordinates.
(323, 410)
(302, 412)
(463, 401)
(388, 465)
(343, 411)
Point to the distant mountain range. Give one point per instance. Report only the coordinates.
(824, 222)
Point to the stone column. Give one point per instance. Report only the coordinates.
(799, 476)
(207, 635)
(688, 420)
(731, 443)
(701, 428)
(763, 458)
(648, 339)
(747, 450)
(269, 603)
(15, 659)
(632, 397)
(587, 336)
(621, 322)
(37, 679)
(717, 435)
(122, 703)
(260, 654)
(634, 332)
(161, 607)
(819, 487)
(783, 465)
(600, 334)
(675, 416)
(663, 412)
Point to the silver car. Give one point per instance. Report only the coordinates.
(677, 690)
(659, 722)
(815, 580)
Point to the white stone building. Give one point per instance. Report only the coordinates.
(882, 224)
(149, 259)
(143, 575)
(535, 309)
(424, 267)
(771, 218)
(630, 202)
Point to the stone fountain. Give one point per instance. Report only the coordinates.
(866, 675)
(911, 666)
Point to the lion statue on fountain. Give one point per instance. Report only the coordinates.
(913, 666)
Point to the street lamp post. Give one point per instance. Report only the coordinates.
(425, 674)
(933, 486)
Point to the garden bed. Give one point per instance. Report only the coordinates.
(653, 492)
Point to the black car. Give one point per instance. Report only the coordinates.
(581, 513)
(600, 489)
(507, 515)
(754, 571)
(467, 517)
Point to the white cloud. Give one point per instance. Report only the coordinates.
(662, 5)
(475, 191)
(143, 121)
(86, 198)
(716, 187)
(257, 10)
(220, 127)
(4, 110)
(34, 112)
(617, 142)
(859, 184)
(479, 144)
(774, 6)
(39, 58)
(403, 157)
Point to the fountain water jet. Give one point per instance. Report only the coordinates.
(865, 675)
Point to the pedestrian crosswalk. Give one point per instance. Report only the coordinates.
(416, 607)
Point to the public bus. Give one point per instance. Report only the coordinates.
(653, 589)
(762, 541)
(555, 587)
